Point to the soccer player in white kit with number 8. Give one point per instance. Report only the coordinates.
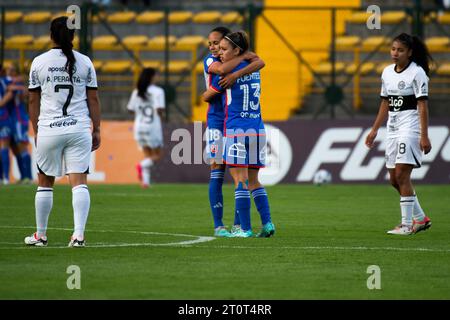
(63, 102)
(404, 94)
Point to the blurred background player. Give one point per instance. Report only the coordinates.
(6, 96)
(147, 102)
(245, 141)
(404, 94)
(214, 70)
(19, 123)
(63, 104)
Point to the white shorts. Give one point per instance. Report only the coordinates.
(152, 138)
(63, 154)
(404, 150)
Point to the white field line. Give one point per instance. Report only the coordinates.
(202, 239)
(199, 239)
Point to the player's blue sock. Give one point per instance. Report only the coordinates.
(216, 196)
(26, 164)
(20, 165)
(243, 204)
(262, 204)
(4, 154)
(237, 221)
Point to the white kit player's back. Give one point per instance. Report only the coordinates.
(64, 106)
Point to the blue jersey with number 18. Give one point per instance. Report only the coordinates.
(215, 113)
(241, 101)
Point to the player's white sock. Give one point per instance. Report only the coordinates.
(43, 205)
(81, 202)
(418, 213)
(146, 164)
(407, 207)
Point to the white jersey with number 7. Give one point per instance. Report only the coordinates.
(63, 106)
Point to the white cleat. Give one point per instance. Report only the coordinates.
(401, 230)
(75, 243)
(33, 240)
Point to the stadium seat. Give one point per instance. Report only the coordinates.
(37, 17)
(364, 69)
(121, 17)
(104, 42)
(13, 16)
(156, 64)
(97, 65)
(159, 42)
(444, 18)
(207, 17)
(8, 62)
(371, 43)
(393, 17)
(359, 17)
(116, 66)
(438, 43)
(18, 41)
(150, 17)
(135, 42)
(42, 42)
(325, 67)
(179, 17)
(176, 66)
(347, 42)
(189, 42)
(199, 67)
(231, 17)
(444, 69)
(380, 67)
(95, 19)
(76, 42)
(60, 14)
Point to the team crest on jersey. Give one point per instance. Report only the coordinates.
(214, 148)
(237, 150)
(89, 75)
(402, 85)
(34, 77)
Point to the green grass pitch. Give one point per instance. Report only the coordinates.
(326, 238)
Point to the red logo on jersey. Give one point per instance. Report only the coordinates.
(214, 148)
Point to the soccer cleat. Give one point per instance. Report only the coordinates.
(401, 230)
(222, 232)
(267, 230)
(421, 225)
(243, 234)
(235, 229)
(33, 240)
(139, 171)
(75, 243)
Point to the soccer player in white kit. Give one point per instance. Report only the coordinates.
(404, 94)
(147, 102)
(63, 102)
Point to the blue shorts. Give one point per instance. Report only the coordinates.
(214, 144)
(19, 132)
(248, 151)
(5, 129)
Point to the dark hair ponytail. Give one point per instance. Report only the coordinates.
(63, 37)
(239, 40)
(145, 79)
(420, 53)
